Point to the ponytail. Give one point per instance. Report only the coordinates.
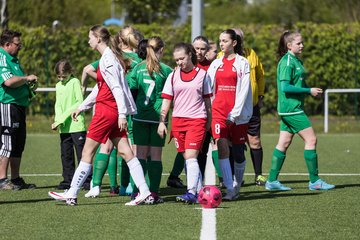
(115, 47)
(285, 38)
(155, 44)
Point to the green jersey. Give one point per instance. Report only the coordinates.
(95, 64)
(134, 60)
(68, 99)
(291, 69)
(10, 67)
(148, 101)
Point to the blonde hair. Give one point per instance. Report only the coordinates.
(129, 37)
(154, 45)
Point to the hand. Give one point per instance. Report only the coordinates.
(122, 123)
(54, 127)
(229, 122)
(260, 102)
(316, 92)
(75, 114)
(31, 79)
(162, 130)
(208, 125)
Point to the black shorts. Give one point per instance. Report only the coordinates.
(12, 130)
(255, 122)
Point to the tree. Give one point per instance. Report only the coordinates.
(32, 13)
(149, 11)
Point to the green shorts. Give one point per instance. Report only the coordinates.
(145, 134)
(294, 123)
(130, 128)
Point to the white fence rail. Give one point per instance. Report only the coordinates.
(326, 107)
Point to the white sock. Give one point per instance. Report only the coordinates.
(137, 174)
(225, 168)
(200, 183)
(80, 175)
(193, 174)
(239, 169)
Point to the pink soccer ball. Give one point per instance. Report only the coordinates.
(210, 197)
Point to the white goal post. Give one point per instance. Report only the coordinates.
(326, 107)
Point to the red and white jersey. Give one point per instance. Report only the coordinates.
(105, 96)
(230, 80)
(224, 90)
(188, 90)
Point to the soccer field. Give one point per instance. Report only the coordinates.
(258, 214)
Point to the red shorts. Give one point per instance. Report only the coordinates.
(237, 134)
(104, 125)
(188, 133)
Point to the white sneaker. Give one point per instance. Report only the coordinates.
(231, 195)
(64, 196)
(93, 192)
(146, 198)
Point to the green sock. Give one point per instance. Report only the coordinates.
(143, 165)
(112, 168)
(155, 169)
(125, 173)
(100, 165)
(277, 161)
(312, 164)
(178, 165)
(215, 157)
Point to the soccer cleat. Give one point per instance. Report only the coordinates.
(276, 186)
(157, 199)
(122, 191)
(260, 180)
(320, 185)
(175, 182)
(188, 198)
(71, 201)
(93, 192)
(6, 184)
(231, 195)
(19, 183)
(145, 198)
(129, 189)
(114, 191)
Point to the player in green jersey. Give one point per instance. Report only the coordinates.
(292, 90)
(16, 91)
(149, 78)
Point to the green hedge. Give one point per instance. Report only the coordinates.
(331, 57)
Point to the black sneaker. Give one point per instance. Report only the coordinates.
(6, 184)
(21, 184)
(86, 186)
(114, 191)
(175, 182)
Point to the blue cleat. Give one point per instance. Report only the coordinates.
(122, 191)
(129, 190)
(320, 185)
(276, 186)
(188, 198)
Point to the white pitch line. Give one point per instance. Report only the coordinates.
(208, 225)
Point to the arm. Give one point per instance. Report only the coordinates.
(165, 107)
(17, 81)
(286, 87)
(90, 100)
(259, 74)
(243, 88)
(208, 112)
(88, 71)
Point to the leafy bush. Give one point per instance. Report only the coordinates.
(331, 57)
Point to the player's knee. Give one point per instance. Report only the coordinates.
(238, 151)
